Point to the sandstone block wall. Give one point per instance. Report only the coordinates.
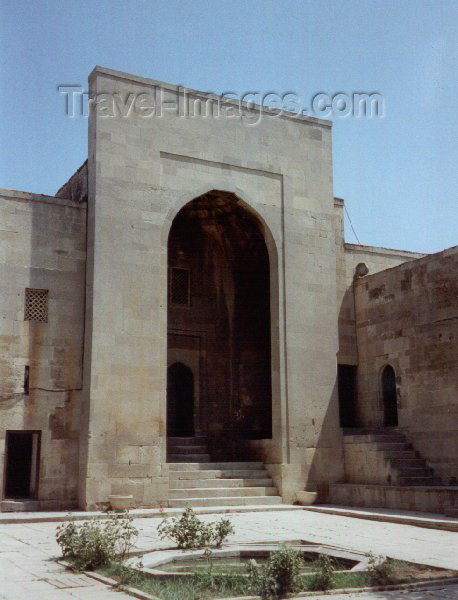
(347, 257)
(141, 173)
(364, 463)
(42, 246)
(407, 317)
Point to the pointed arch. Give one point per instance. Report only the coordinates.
(226, 250)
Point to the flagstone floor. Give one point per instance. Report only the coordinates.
(28, 552)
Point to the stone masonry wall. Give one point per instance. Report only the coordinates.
(142, 171)
(407, 317)
(347, 257)
(42, 246)
(75, 189)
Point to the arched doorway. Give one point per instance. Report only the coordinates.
(390, 405)
(219, 307)
(180, 401)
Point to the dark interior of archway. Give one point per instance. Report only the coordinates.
(221, 247)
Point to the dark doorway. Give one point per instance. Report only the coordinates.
(346, 378)
(22, 460)
(180, 401)
(390, 405)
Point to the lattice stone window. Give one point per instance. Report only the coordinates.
(180, 286)
(36, 305)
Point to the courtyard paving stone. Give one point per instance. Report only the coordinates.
(28, 551)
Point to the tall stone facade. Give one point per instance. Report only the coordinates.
(187, 249)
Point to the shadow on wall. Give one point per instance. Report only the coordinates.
(326, 464)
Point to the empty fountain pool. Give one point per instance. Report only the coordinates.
(233, 559)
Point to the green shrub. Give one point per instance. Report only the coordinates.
(380, 571)
(279, 576)
(94, 543)
(189, 531)
(323, 577)
(222, 529)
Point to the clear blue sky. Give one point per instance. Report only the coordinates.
(398, 175)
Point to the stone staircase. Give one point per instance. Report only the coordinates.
(385, 457)
(187, 449)
(195, 481)
(383, 470)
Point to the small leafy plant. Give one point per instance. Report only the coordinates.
(222, 529)
(380, 570)
(323, 577)
(95, 543)
(189, 531)
(279, 576)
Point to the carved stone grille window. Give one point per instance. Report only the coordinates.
(36, 305)
(180, 286)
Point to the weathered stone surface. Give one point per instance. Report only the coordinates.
(136, 188)
(42, 246)
(407, 317)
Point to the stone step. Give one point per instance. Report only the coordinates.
(400, 454)
(400, 463)
(433, 499)
(390, 451)
(216, 466)
(370, 431)
(221, 492)
(392, 446)
(414, 471)
(186, 441)
(19, 505)
(202, 449)
(409, 481)
(224, 474)
(188, 458)
(370, 438)
(225, 501)
(218, 483)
